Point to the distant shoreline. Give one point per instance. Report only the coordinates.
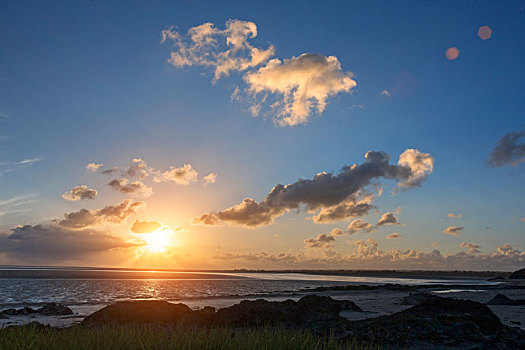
(14, 271)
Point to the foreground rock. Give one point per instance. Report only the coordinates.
(317, 313)
(435, 322)
(440, 323)
(518, 275)
(49, 309)
(501, 299)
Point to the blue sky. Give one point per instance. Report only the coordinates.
(90, 82)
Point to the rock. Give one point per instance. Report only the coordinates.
(437, 323)
(53, 309)
(318, 313)
(140, 312)
(17, 312)
(49, 309)
(520, 274)
(501, 299)
(349, 305)
(417, 298)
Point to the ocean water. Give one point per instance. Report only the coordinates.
(83, 288)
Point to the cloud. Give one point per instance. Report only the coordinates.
(4, 116)
(224, 50)
(93, 167)
(388, 219)
(454, 216)
(522, 219)
(181, 176)
(324, 190)
(359, 225)
(342, 211)
(138, 168)
(302, 84)
(453, 230)
(368, 255)
(112, 214)
(394, 235)
(135, 188)
(508, 150)
(385, 93)
(29, 161)
(79, 193)
(421, 165)
(322, 240)
(210, 178)
(58, 243)
(249, 213)
(145, 226)
(472, 247)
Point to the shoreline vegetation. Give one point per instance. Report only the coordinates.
(161, 337)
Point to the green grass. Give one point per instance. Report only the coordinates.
(159, 337)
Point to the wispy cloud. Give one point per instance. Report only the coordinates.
(29, 161)
(509, 150)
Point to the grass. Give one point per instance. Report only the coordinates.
(159, 337)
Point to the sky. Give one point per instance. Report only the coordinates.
(207, 135)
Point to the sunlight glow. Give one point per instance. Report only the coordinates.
(159, 240)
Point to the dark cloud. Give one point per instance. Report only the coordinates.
(453, 230)
(58, 243)
(114, 214)
(388, 219)
(80, 193)
(325, 190)
(393, 235)
(508, 150)
(135, 188)
(145, 226)
(342, 211)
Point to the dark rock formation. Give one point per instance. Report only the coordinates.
(437, 323)
(417, 298)
(49, 309)
(53, 309)
(317, 313)
(518, 275)
(349, 305)
(501, 299)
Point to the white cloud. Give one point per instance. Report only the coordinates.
(210, 178)
(421, 164)
(453, 230)
(183, 175)
(359, 225)
(79, 193)
(224, 50)
(472, 247)
(302, 84)
(93, 167)
(388, 219)
(29, 161)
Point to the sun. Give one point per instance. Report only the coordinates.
(159, 240)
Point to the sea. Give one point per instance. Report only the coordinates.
(86, 290)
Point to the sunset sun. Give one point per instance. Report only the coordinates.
(159, 240)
